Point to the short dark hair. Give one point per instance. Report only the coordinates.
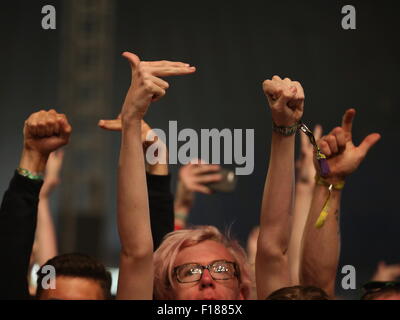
(299, 293)
(78, 265)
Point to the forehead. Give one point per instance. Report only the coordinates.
(203, 253)
(74, 288)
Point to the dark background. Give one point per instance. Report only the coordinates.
(234, 47)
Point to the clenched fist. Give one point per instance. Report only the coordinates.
(46, 131)
(286, 100)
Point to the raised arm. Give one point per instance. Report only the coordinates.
(304, 188)
(158, 180)
(321, 239)
(45, 246)
(136, 261)
(286, 100)
(44, 132)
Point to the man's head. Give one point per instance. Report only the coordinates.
(78, 276)
(299, 293)
(200, 264)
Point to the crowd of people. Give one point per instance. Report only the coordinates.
(292, 255)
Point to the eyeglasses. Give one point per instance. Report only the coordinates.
(375, 286)
(219, 270)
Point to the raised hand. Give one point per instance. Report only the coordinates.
(386, 272)
(111, 125)
(116, 125)
(46, 131)
(343, 156)
(286, 100)
(146, 86)
(133, 204)
(195, 176)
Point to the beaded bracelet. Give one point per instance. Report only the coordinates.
(27, 174)
(285, 131)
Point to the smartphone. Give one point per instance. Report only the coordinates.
(227, 184)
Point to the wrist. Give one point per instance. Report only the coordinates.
(33, 161)
(157, 169)
(336, 183)
(130, 119)
(180, 219)
(130, 113)
(305, 187)
(277, 138)
(285, 129)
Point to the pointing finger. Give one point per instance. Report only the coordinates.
(112, 125)
(170, 71)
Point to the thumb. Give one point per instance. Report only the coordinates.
(112, 125)
(145, 126)
(133, 59)
(369, 142)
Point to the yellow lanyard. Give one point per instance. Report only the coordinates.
(325, 210)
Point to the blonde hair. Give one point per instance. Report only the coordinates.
(174, 242)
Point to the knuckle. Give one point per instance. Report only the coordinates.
(146, 77)
(141, 69)
(147, 84)
(286, 94)
(296, 83)
(338, 130)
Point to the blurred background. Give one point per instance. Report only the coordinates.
(77, 69)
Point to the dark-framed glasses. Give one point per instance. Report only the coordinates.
(219, 270)
(375, 286)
